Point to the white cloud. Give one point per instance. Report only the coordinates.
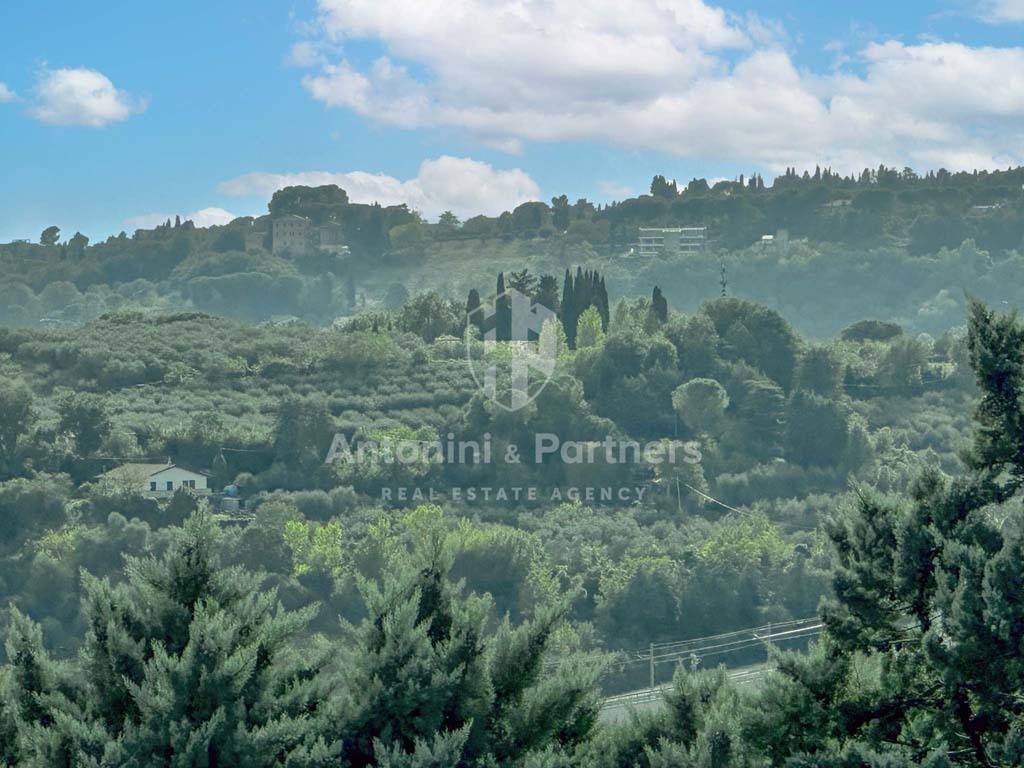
(6, 94)
(614, 191)
(81, 97)
(462, 185)
(676, 76)
(206, 217)
(1002, 11)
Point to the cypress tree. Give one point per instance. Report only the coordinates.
(567, 313)
(659, 306)
(581, 298)
(602, 303)
(473, 314)
(502, 312)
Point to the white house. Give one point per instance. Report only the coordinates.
(158, 481)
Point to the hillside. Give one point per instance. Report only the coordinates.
(888, 244)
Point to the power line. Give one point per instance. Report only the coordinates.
(716, 501)
(708, 645)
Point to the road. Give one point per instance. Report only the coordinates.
(616, 709)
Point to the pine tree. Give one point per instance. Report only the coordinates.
(40, 723)
(185, 663)
(930, 587)
(424, 676)
(191, 659)
(547, 292)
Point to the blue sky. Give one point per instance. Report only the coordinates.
(117, 113)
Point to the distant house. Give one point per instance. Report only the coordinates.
(331, 235)
(158, 481)
(290, 233)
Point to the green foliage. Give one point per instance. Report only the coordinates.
(820, 372)
(588, 329)
(701, 404)
(50, 236)
(84, 417)
(16, 417)
(425, 667)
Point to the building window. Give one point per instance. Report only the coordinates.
(152, 486)
(170, 485)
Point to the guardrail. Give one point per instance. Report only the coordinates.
(648, 695)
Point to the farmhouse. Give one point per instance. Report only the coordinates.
(290, 233)
(157, 481)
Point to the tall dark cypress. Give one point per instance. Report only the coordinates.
(659, 305)
(568, 309)
(602, 307)
(581, 295)
(502, 312)
(474, 316)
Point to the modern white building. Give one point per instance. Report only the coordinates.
(158, 481)
(661, 241)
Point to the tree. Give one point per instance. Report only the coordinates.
(546, 293)
(425, 676)
(701, 404)
(317, 203)
(39, 724)
(302, 432)
(552, 341)
(190, 661)
(449, 220)
(396, 296)
(350, 293)
(185, 663)
(523, 282)
(927, 590)
(762, 412)
(474, 315)
(429, 316)
(16, 416)
(502, 311)
(903, 364)
(757, 334)
(50, 236)
(816, 429)
(660, 187)
(567, 309)
(589, 332)
(560, 213)
(659, 306)
(77, 245)
(820, 372)
(84, 416)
